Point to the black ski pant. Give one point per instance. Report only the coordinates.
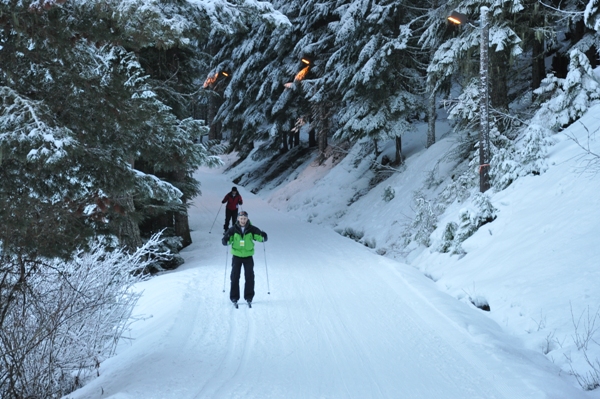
(230, 215)
(236, 271)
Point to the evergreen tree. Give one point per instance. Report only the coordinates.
(566, 100)
(592, 15)
(359, 78)
(459, 56)
(547, 31)
(74, 110)
(430, 37)
(376, 73)
(256, 97)
(79, 114)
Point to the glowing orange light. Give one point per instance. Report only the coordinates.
(301, 74)
(457, 18)
(211, 80)
(225, 73)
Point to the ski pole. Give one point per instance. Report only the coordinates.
(267, 269)
(225, 274)
(211, 227)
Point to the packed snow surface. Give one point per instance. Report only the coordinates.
(330, 319)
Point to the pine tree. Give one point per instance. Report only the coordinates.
(592, 15)
(359, 77)
(68, 129)
(256, 96)
(430, 36)
(79, 114)
(566, 100)
(459, 55)
(377, 74)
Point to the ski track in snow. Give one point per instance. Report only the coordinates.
(340, 322)
(232, 363)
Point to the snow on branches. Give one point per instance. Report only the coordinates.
(27, 122)
(569, 98)
(60, 319)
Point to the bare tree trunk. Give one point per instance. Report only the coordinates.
(180, 219)
(321, 114)
(322, 138)
(399, 157)
(284, 143)
(484, 135)
(431, 118)
(128, 230)
(431, 105)
(182, 228)
(312, 139)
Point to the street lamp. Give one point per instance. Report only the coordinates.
(212, 80)
(458, 18)
(484, 98)
(302, 74)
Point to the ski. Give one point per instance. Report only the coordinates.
(237, 305)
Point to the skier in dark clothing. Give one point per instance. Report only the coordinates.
(233, 200)
(241, 236)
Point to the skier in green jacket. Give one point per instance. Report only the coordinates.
(241, 236)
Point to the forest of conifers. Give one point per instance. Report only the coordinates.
(107, 107)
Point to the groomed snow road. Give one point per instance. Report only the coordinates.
(339, 322)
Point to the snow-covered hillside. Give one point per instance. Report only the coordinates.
(330, 319)
(333, 318)
(536, 266)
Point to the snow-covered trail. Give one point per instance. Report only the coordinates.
(339, 322)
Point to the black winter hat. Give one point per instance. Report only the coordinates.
(234, 189)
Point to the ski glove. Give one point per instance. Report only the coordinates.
(225, 240)
(264, 236)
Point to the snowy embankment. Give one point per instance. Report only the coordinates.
(340, 322)
(535, 266)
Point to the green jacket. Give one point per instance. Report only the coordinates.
(242, 244)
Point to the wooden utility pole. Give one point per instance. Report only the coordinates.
(484, 104)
